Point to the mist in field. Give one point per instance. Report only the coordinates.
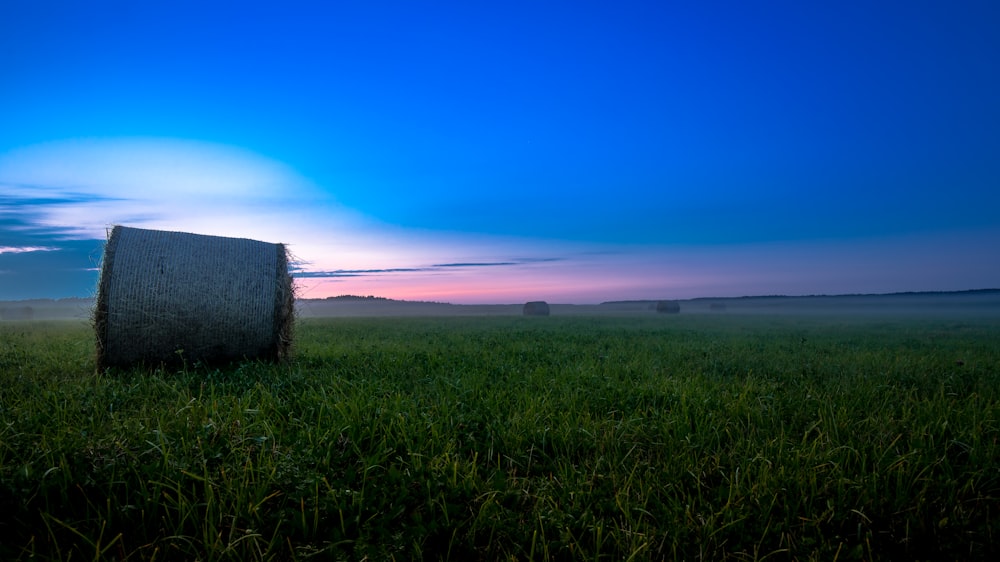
(972, 304)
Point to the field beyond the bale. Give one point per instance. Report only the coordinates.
(508, 438)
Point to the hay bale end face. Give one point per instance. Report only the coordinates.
(165, 297)
(536, 308)
(668, 307)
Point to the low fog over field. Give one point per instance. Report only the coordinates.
(963, 303)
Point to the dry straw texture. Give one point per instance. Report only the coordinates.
(536, 308)
(171, 296)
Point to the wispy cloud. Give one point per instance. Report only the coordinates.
(62, 192)
(438, 267)
(76, 190)
(59, 268)
(473, 264)
(355, 272)
(25, 249)
(539, 260)
(25, 213)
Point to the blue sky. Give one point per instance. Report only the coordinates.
(473, 152)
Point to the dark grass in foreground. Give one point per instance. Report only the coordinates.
(608, 438)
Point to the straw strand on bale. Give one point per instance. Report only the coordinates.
(167, 296)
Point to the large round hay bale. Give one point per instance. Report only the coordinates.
(172, 296)
(668, 307)
(536, 308)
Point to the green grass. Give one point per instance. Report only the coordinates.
(561, 438)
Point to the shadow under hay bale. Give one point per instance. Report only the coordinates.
(536, 308)
(668, 307)
(174, 296)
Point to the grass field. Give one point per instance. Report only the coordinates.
(510, 438)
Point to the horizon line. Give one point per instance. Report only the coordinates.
(375, 298)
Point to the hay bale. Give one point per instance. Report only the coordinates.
(536, 308)
(171, 296)
(668, 307)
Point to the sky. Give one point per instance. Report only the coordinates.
(474, 152)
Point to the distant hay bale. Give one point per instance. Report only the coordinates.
(171, 296)
(536, 308)
(668, 307)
